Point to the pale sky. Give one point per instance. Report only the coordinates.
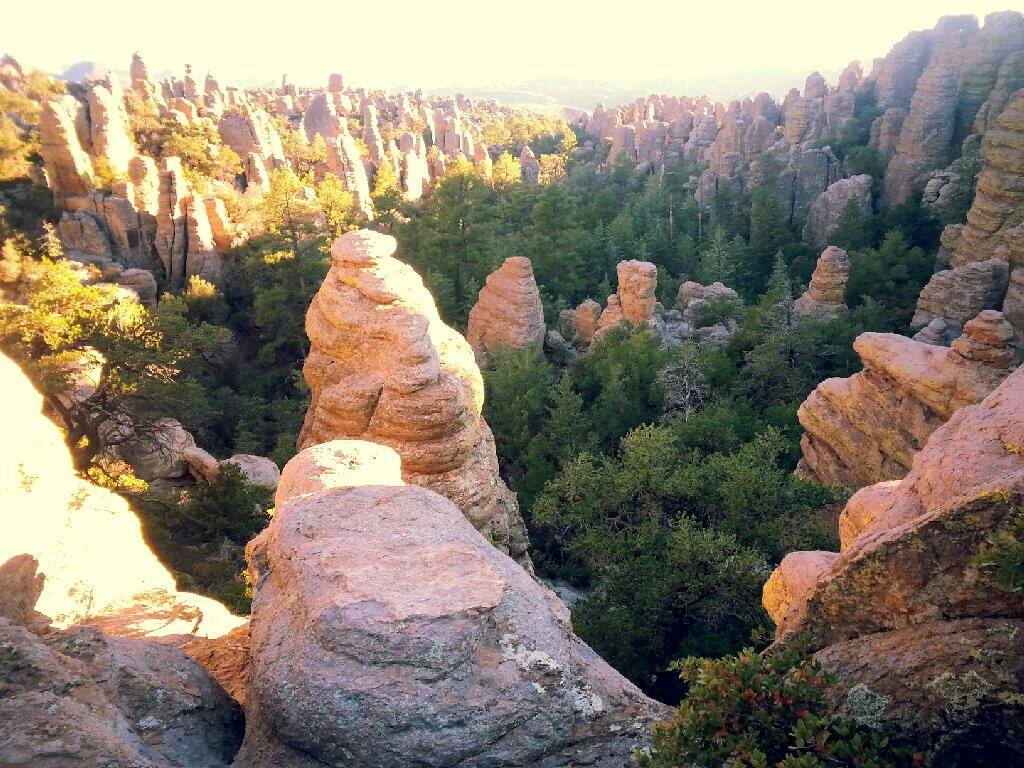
(473, 43)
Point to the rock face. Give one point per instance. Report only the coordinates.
(901, 613)
(108, 124)
(638, 281)
(956, 295)
(585, 321)
(384, 367)
(387, 632)
(529, 167)
(68, 166)
(77, 698)
(825, 297)
(851, 196)
(508, 312)
(84, 538)
(867, 428)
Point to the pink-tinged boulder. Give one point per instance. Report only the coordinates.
(825, 297)
(257, 470)
(508, 312)
(958, 294)
(387, 632)
(638, 281)
(141, 282)
(866, 428)
(384, 367)
(793, 580)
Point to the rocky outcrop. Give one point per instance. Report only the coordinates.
(867, 428)
(171, 241)
(108, 126)
(69, 170)
(384, 367)
(913, 627)
(926, 138)
(344, 161)
(77, 698)
(386, 631)
(586, 319)
(958, 294)
(638, 281)
(825, 297)
(508, 312)
(84, 539)
(529, 167)
(843, 198)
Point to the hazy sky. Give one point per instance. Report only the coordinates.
(441, 43)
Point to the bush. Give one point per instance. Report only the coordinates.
(764, 710)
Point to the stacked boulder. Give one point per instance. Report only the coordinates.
(635, 300)
(384, 367)
(825, 297)
(508, 312)
(866, 428)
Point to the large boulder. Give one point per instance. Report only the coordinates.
(384, 367)
(850, 196)
(508, 312)
(866, 428)
(386, 631)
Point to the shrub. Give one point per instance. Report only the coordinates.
(764, 710)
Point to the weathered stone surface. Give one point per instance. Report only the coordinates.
(83, 238)
(945, 685)
(68, 167)
(345, 163)
(850, 196)
(926, 138)
(249, 131)
(529, 167)
(171, 241)
(84, 538)
(794, 579)
(258, 470)
(201, 256)
(142, 282)
(638, 281)
(958, 294)
(867, 428)
(384, 367)
(586, 318)
(825, 297)
(508, 312)
(108, 126)
(78, 699)
(386, 631)
(220, 224)
(924, 531)
(919, 637)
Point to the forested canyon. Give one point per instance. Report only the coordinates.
(349, 427)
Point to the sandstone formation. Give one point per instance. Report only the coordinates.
(867, 428)
(84, 538)
(386, 631)
(635, 300)
(108, 126)
(384, 367)
(69, 170)
(902, 614)
(846, 197)
(825, 297)
(958, 294)
(508, 312)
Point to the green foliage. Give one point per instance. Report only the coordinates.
(1003, 555)
(201, 535)
(893, 275)
(765, 710)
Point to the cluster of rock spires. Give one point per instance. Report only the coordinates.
(151, 217)
(919, 637)
(937, 92)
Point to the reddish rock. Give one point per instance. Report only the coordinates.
(508, 312)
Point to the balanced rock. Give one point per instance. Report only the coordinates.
(825, 297)
(384, 367)
(387, 632)
(867, 428)
(508, 312)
